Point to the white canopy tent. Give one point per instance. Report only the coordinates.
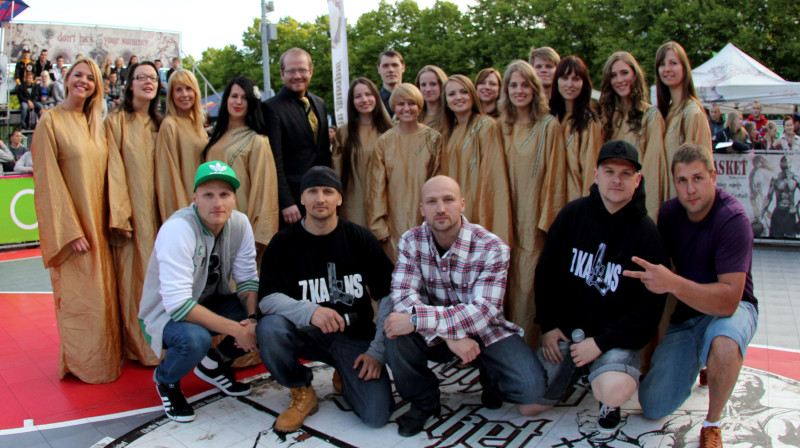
(733, 79)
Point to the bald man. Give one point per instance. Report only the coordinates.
(448, 286)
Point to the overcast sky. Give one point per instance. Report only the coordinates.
(202, 23)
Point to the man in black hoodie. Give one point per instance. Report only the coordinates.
(580, 287)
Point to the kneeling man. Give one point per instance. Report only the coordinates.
(187, 299)
(317, 277)
(579, 286)
(447, 299)
(710, 241)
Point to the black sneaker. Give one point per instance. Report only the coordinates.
(175, 405)
(413, 421)
(490, 400)
(222, 377)
(609, 419)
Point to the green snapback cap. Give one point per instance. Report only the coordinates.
(215, 170)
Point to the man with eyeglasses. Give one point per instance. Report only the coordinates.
(317, 278)
(296, 127)
(187, 298)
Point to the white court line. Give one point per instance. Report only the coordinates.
(24, 258)
(772, 347)
(26, 292)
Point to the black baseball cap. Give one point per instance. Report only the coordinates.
(619, 149)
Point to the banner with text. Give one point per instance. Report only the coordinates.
(94, 42)
(341, 70)
(768, 186)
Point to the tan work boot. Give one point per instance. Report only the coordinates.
(304, 403)
(337, 381)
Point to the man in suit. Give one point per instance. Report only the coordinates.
(296, 126)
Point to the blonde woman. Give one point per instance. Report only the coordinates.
(430, 80)
(71, 199)
(628, 116)
(404, 158)
(472, 154)
(537, 174)
(180, 143)
(131, 134)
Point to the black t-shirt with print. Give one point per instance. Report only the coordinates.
(340, 270)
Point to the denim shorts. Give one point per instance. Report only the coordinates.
(684, 351)
(560, 377)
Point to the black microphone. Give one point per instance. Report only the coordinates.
(350, 319)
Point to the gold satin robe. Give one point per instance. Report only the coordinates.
(355, 192)
(400, 165)
(473, 156)
(250, 156)
(131, 149)
(684, 125)
(71, 202)
(537, 173)
(649, 140)
(179, 151)
(582, 151)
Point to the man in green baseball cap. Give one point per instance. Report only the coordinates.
(187, 297)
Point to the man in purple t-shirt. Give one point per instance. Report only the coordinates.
(710, 241)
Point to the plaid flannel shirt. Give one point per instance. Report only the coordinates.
(458, 295)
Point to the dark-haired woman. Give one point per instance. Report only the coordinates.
(537, 175)
(489, 83)
(354, 143)
(131, 135)
(472, 154)
(405, 157)
(430, 80)
(180, 143)
(239, 140)
(685, 119)
(628, 116)
(72, 199)
(571, 103)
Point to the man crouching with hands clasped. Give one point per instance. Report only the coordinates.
(448, 286)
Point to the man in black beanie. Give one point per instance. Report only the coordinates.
(317, 276)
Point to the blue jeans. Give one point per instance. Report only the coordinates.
(281, 343)
(187, 343)
(23, 113)
(684, 351)
(508, 369)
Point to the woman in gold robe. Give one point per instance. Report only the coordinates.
(405, 157)
(628, 116)
(354, 143)
(472, 154)
(537, 173)
(571, 103)
(430, 80)
(686, 121)
(239, 139)
(489, 83)
(180, 143)
(131, 136)
(71, 199)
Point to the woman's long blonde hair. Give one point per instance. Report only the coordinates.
(186, 78)
(93, 106)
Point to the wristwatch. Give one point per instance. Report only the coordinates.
(253, 316)
(414, 321)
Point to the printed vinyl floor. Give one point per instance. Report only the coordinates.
(39, 410)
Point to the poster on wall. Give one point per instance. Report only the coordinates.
(768, 186)
(96, 42)
(341, 71)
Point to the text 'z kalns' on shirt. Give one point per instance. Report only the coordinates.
(579, 281)
(721, 243)
(340, 270)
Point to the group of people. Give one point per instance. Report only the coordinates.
(39, 85)
(470, 234)
(737, 135)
